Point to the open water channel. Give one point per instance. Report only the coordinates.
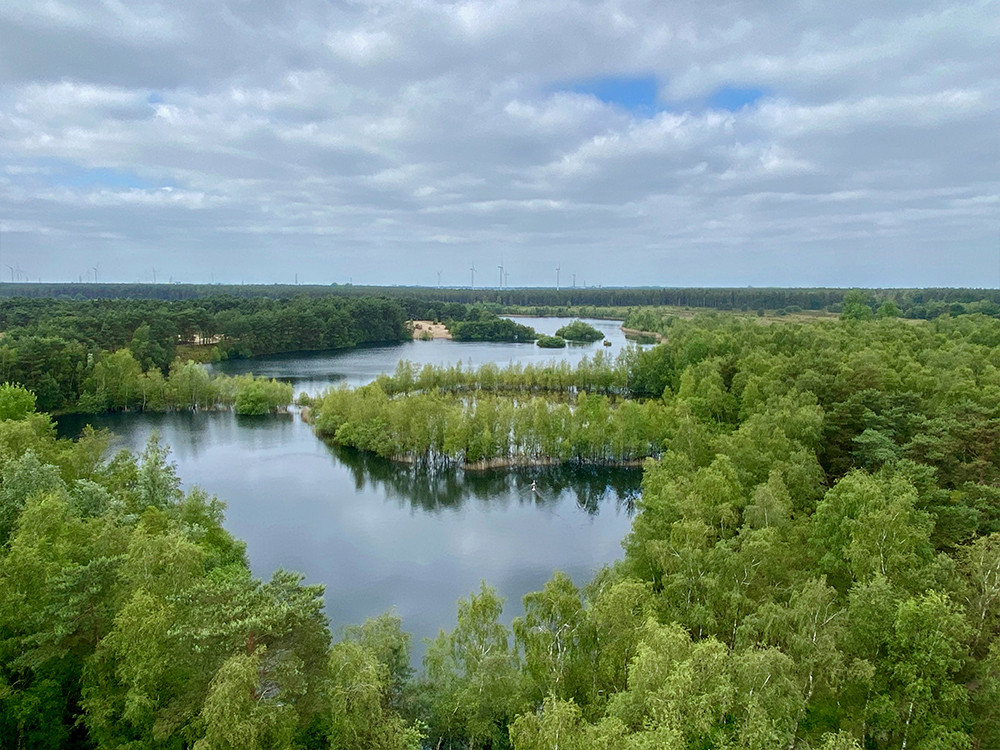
(381, 535)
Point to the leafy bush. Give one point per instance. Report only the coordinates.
(492, 328)
(551, 342)
(15, 402)
(260, 396)
(579, 331)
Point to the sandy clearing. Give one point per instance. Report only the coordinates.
(428, 329)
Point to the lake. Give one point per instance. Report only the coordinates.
(381, 535)
(314, 372)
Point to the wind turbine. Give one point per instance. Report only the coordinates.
(95, 272)
(473, 277)
(11, 273)
(558, 269)
(574, 281)
(501, 274)
(439, 279)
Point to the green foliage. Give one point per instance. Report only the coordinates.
(491, 327)
(472, 684)
(360, 712)
(16, 402)
(115, 353)
(556, 640)
(260, 396)
(129, 617)
(384, 638)
(814, 562)
(434, 428)
(118, 383)
(551, 342)
(856, 306)
(579, 331)
(244, 712)
(888, 309)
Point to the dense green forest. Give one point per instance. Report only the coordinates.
(913, 303)
(105, 354)
(52, 345)
(58, 348)
(815, 563)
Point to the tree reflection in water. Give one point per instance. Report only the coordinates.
(436, 489)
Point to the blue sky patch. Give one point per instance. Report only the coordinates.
(154, 98)
(66, 174)
(732, 98)
(637, 94)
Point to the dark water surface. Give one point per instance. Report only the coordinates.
(380, 535)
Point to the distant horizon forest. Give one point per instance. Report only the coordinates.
(814, 563)
(913, 303)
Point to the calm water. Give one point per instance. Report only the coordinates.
(313, 373)
(380, 535)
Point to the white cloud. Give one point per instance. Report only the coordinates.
(378, 137)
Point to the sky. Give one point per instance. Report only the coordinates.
(622, 142)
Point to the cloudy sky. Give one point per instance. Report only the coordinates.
(626, 142)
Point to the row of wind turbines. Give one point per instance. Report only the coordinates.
(504, 276)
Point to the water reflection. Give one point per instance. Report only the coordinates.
(186, 432)
(432, 490)
(377, 534)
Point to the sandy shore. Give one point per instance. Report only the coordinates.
(425, 329)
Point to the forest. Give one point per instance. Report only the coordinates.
(112, 354)
(814, 563)
(913, 303)
(122, 353)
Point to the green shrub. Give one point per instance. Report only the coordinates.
(551, 342)
(260, 396)
(579, 331)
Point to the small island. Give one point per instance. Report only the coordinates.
(551, 342)
(579, 331)
(490, 327)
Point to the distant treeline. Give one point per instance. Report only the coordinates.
(913, 303)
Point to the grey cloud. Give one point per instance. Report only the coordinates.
(374, 139)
